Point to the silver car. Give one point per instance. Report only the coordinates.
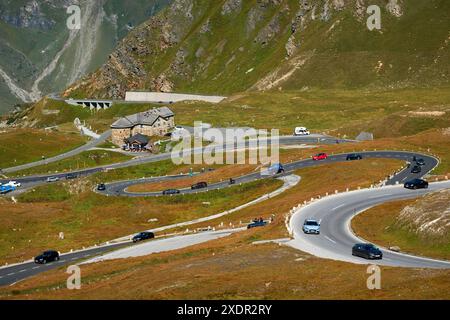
(311, 227)
(52, 179)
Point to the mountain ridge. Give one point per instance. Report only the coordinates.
(230, 46)
(40, 55)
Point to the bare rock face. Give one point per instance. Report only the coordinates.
(394, 8)
(326, 13)
(206, 27)
(269, 32)
(291, 46)
(428, 217)
(338, 4)
(231, 6)
(360, 9)
(29, 16)
(162, 84)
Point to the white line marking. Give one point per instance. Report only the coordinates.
(338, 207)
(329, 239)
(11, 274)
(22, 271)
(35, 268)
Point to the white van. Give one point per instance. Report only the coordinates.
(301, 131)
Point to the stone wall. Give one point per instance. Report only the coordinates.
(169, 97)
(118, 135)
(160, 128)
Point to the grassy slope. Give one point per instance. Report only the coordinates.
(382, 112)
(84, 160)
(211, 270)
(27, 145)
(379, 226)
(87, 218)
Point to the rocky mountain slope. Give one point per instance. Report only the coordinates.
(428, 217)
(39, 54)
(228, 46)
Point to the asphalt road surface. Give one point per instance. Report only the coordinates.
(14, 273)
(336, 238)
(36, 180)
(163, 245)
(120, 188)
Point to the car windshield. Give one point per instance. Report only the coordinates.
(312, 223)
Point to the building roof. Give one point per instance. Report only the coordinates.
(138, 138)
(143, 118)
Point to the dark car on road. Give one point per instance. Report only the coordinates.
(367, 251)
(420, 162)
(47, 256)
(354, 156)
(169, 192)
(199, 185)
(71, 176)
(416, 184)
(416, 169)
(256, 224)
(143, 236)
(101, 187)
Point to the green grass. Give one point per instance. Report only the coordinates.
(26, 145)
(84, 160)
(48, 193)
(347, 112)
(338, 53)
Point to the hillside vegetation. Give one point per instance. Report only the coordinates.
(230, 46)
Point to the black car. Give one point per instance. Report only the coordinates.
(416, 184)
(171, 192)
(143, 236)
(420, 162)
(200, 185)
(257, 224)
(101, 187)
(367, 251)
(71, 176)
(354, 156)
(416, 169)
(47, 256)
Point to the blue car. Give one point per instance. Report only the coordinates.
(311, 226)
(7, 189)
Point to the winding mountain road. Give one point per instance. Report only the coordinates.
(336, 238)
(121, 188)
(336, 212)
(36, 180)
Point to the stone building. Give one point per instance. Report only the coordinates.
(154, 122)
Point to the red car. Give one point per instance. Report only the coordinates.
(320, 156)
